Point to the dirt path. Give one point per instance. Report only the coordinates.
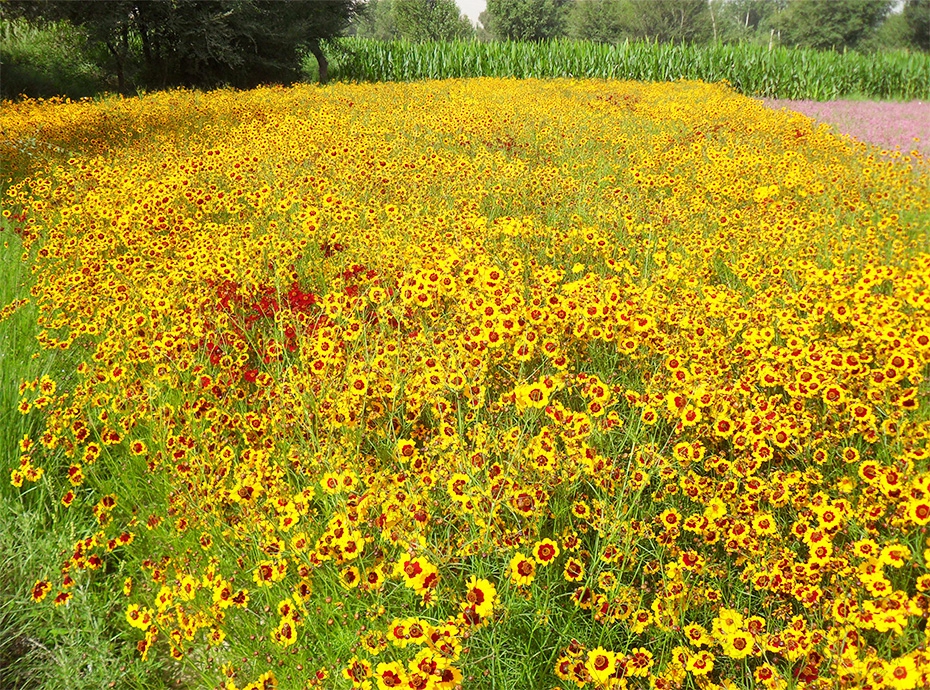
(884, 123)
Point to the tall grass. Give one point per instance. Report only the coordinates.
(50, 60)
(752, 70)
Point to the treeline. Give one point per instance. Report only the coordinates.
(61, 47)
(865, 25)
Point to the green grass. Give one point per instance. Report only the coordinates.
(82, 645)
(46, 61)
(751, 70)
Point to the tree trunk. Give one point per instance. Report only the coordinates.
(120, 78)
(146, 42)
(320, 60)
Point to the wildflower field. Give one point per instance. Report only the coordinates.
(474, 383)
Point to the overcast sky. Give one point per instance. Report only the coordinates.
(472, 8)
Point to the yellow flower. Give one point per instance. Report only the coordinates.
(700, 664)
(600, 664)
(480, 595)
(901, 673)
(522, 570)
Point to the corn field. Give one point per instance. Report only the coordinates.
(751, 70)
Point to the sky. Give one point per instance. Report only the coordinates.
(472, 8)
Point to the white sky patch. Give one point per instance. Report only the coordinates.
(472, 8)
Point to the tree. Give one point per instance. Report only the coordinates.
(430, 20)
(604, 21)
(917, 15)
(483, 30)
(892, 34)
(834, 24)
(673, 21)
(526, 20)
(745, 20)
(201, 43)
(377, 21)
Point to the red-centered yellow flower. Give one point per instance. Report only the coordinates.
(264, 574)
(601, 664)
(358, 384)
(640, 620)
(139, 616)
(358, 671)
(40, 589)
(670, 519)
(923, 583)
(391, 675)
(350, 577)
(895, 555)
(918, 511)
(522, 570)
(697, 635)
(700, 664)
(738, 644)
(286, 632)
(331, 483)
(764, 524)
(901, 674)
(766, 675)
(416, 572)
(573, 570)
(480, 595)
(374, 579)
(639, 662)
(545, 551)
(266, 681)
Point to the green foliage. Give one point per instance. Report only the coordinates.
(604, 21)
(376, 21)
(527, 20)
(745, 20)
(430, 20)
(836, 24)
(81, 645)
(199, 43)
(46, 61)
(752, 70)
(917, 17)
(671, 20)
(893, 34)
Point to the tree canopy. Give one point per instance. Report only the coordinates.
(201, 43)
(834, 24)
(526, 20)
(917, 17)
(430, 20)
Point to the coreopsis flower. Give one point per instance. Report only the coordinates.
(600, 664)
(545, 551)
(390, 675)
(901, 673)
(40, 589)
(701, 663)
(573, 570)
(480, 595)
(522, 570)
(357, 671)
